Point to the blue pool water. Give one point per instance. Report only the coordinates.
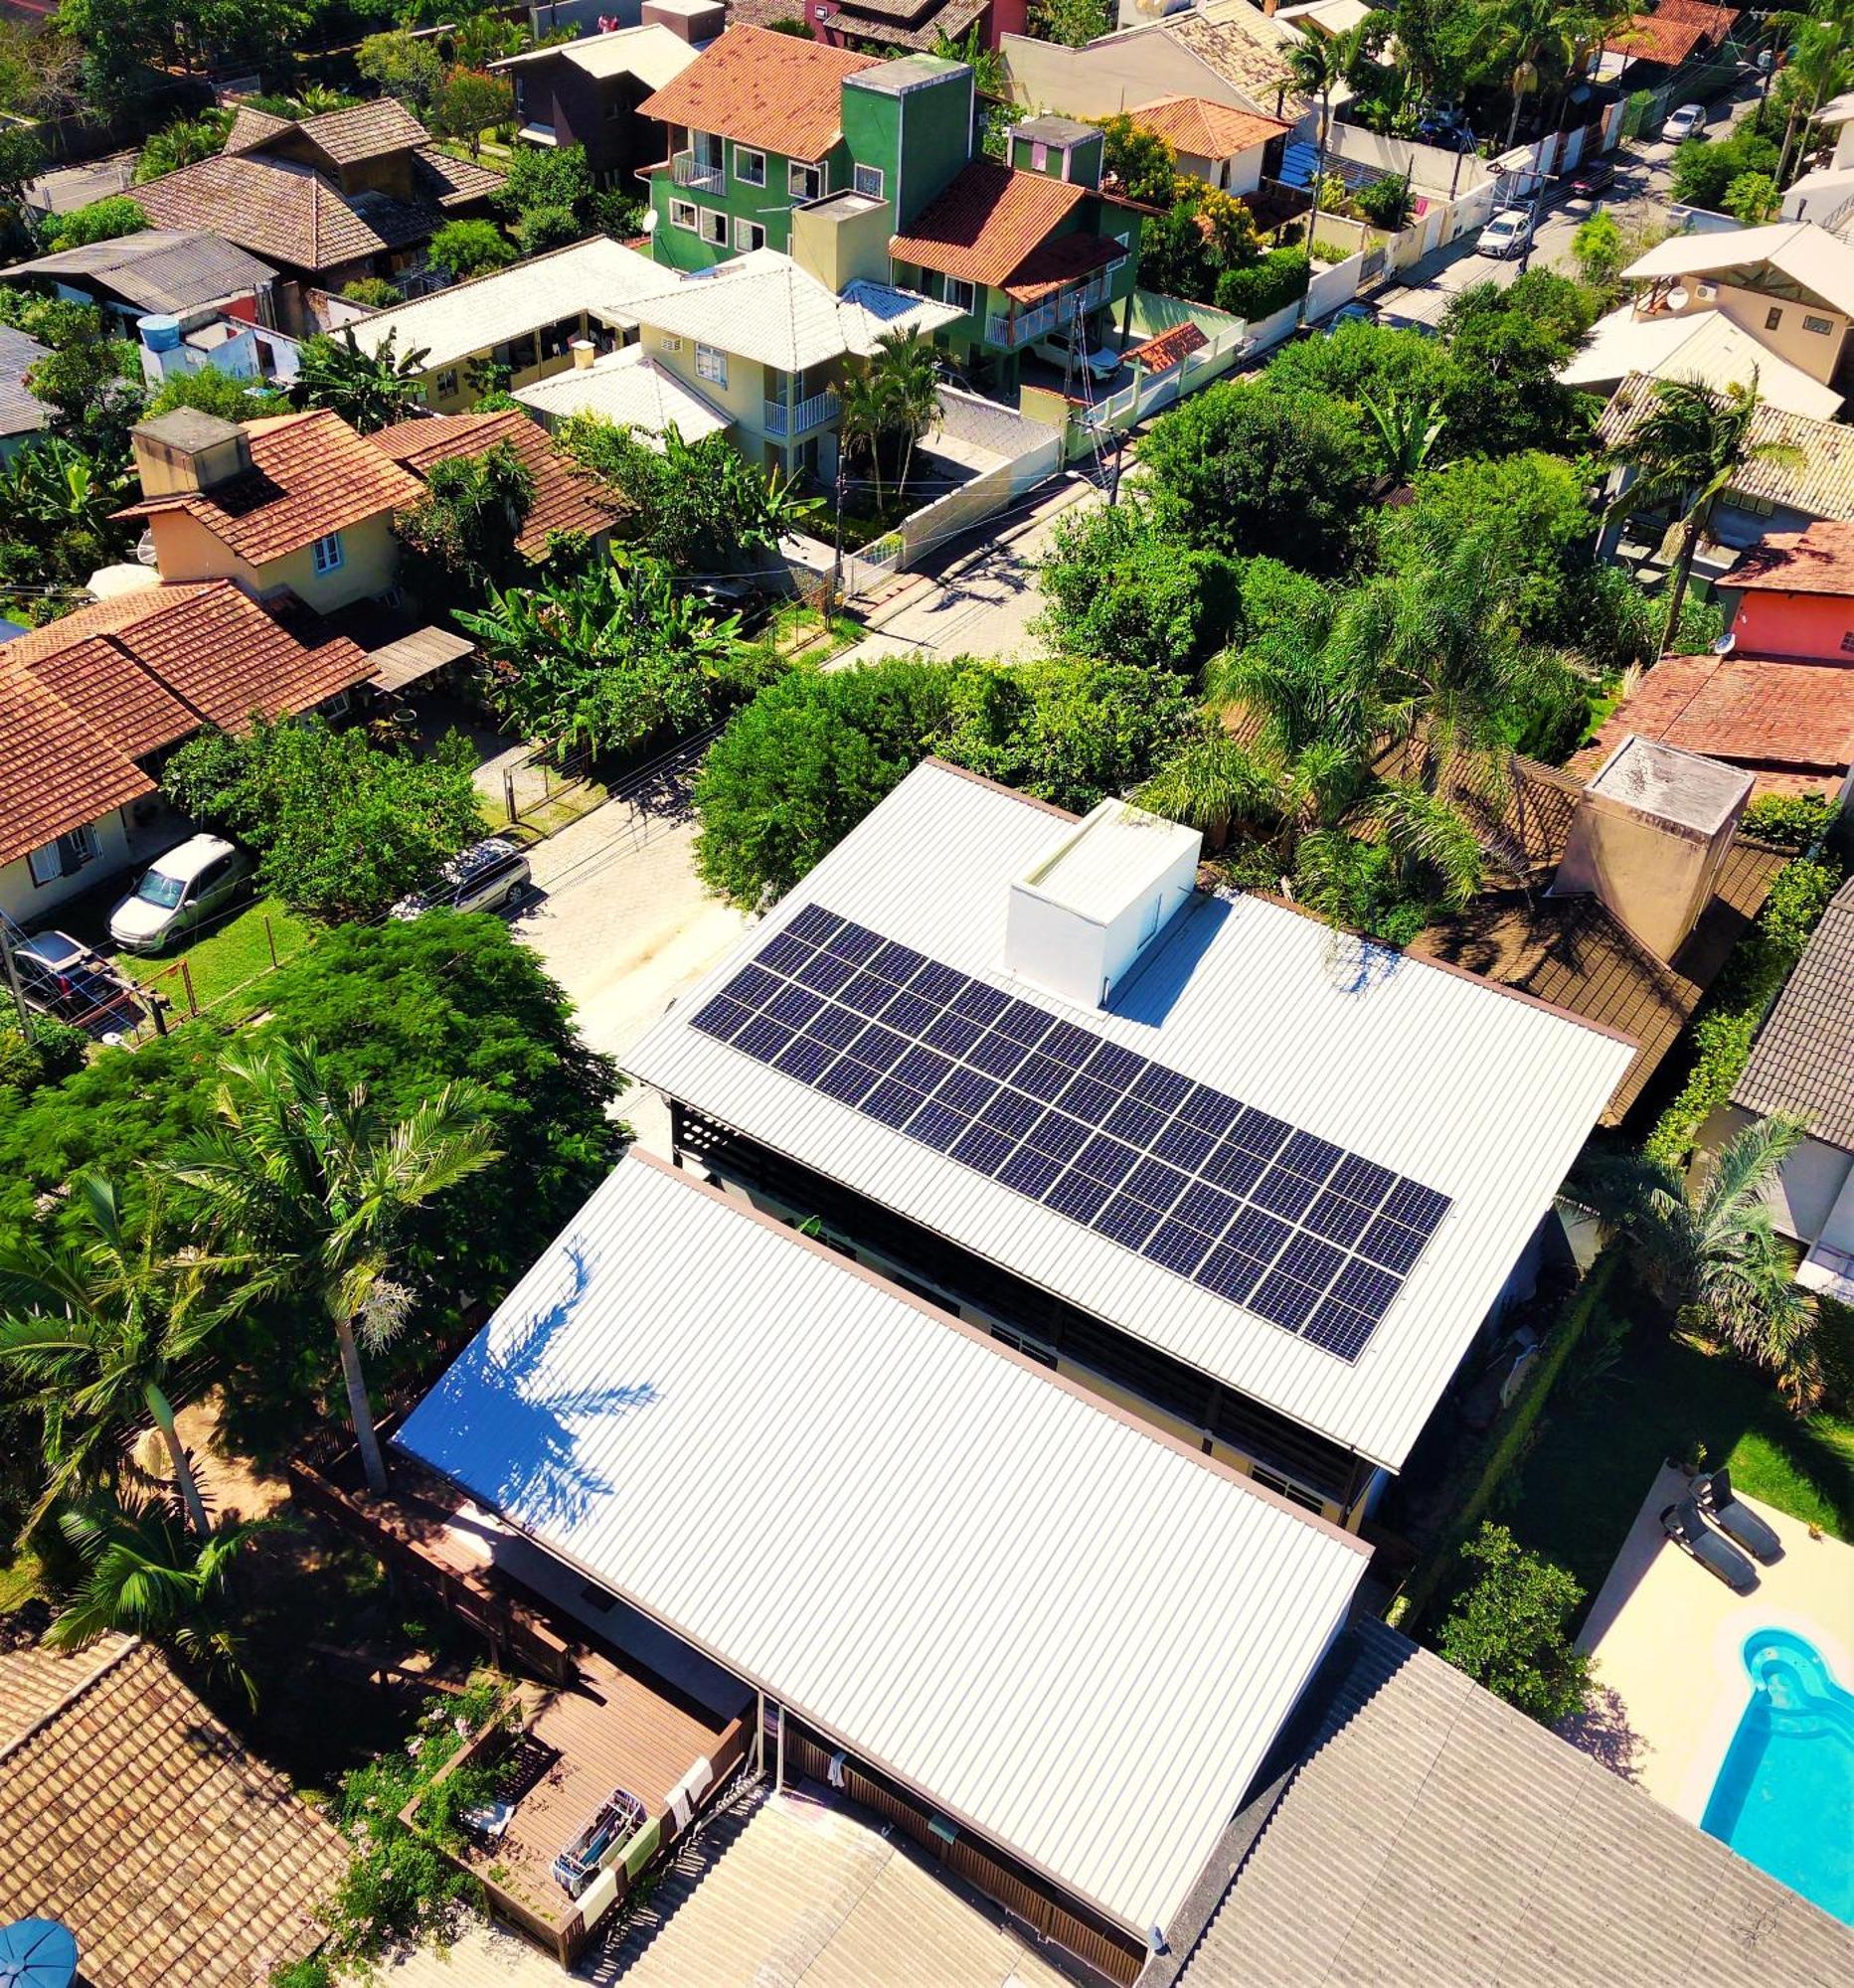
(1785, 1796)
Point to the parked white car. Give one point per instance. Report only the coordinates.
(491, 874)
(1686, 123)
(179, 892)
(1103, 362)
(1506, 234)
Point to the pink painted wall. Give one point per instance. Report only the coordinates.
(1795, 624)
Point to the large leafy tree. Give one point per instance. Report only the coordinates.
(368, 390)
(1525, 43)
(402, 64)
(468, 101)
(1708, 1249)
(471, 247)
(463, 533)
(1510, 1630)
(98, 1329)
(184, 142)
(56, 503)
(1685, 453)
(315, 1185)
(1119, 585)
(1142, 164)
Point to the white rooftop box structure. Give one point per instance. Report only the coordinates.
(1074, 1637)
(1083, 914)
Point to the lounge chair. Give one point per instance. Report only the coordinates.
(1686, 1525)
(1735, 1518)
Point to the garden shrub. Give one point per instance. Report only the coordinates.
(1794, 822)
(1510, 1630)
(1385, 202)
(1834, 1353)
(1270, 285)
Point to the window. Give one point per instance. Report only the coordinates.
(958, 294)
(749, 168)
(1039, 157)
(668, 344)
(682, 215)
(1772, 319)
(1847, 643)
(869, 180)
(711, 363)
(1031, 1349)
(715, 227)
(804, 182)
(328, 553)
(555, 338)
(63, 858)
(749, 236)
(446, 382)
(1752, 507)
(1818, 324)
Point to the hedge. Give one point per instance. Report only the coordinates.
(1266, 286)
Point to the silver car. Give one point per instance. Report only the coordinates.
(1506, 234)
(1686, 123)
(491, 874)
(181, 891)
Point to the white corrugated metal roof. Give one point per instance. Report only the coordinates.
(1075, 1636)
(1809, 257)
(1705, 346)
(1479, 1093)
(627, 386)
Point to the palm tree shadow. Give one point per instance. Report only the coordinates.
(527, 1454)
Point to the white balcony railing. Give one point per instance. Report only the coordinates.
(1012, 332)
(698, 173)
(801, 417)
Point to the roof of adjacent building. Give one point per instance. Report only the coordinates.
(1802, 1062)
(630, 387)
(1572, 952)
(1820, 484)
(1430, 1832)
(1818, 559)
(292, 213)
(159, 269)
(918, 26)
(1705, 346)
(764, 307)
(1205, 129)
(1421, 1069)
(779, 92)
(20, 412)
(995, 226)
(1075, 1636)
(1169, 348)
(135, 1817)
(1239, 43)
(310, 475)
(652, 52)
(566, 498)
(448, 325)
(1787, 259)
(1790, 720)
(81, 699)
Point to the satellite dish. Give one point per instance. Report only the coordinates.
(1725, 644)
(1677, 299)
(650, 220)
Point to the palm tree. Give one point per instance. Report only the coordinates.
(1315, 64)
(368, 390)
(1709, 1251)
(101, 1327)
(1408, 424)
(318, 1183)
(1526, 37)
(1687, 451)
(145, 1577)
(907, 376)
(863, 420)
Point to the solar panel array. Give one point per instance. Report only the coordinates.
(1295, 1230)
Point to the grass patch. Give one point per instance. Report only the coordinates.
(1606, 1435)
(19, 1581)
(226, 966)
(801, 630)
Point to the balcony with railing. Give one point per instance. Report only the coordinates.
(701, 174)
(799, 417)
(1059, 310)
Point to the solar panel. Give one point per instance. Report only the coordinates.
(1295, 1229)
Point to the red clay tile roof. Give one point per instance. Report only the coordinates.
(1758, 711)
(311, 474)
(1817, 560)
(1064, 259)
(775, 90)
(987, 223)
(252, 128)
(136, 1818)
(566, 499)
(83, 698)
(1169, 348)
(291, 214)
(1205, 129)
(1672, 32)
(366, 131)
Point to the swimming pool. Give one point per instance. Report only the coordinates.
(1785, 1796)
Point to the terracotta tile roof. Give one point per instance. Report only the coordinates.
(1757, 711)
(1207, 130)
(1572, 952)
(1258, 68)
(566, 499)
(1817, 560)
(987, 223)
(135, 1817)
(1802, 1062)
(762, 89)
(83, 698)
(1672, 32)
(311, 474)
(36, 1681)
(366, 131)
(906, 26)
(252, 128)
(1169, 348)
(291, 214)
(1820, 485)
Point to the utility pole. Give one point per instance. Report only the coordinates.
(832, 596)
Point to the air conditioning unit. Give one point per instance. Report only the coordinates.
(1706, 293)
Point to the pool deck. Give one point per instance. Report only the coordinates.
(1668, 1639)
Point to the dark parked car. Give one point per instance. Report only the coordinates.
(59, 977)
(1590, 179)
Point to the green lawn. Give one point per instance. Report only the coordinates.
(226, 966)
(1604, 1437)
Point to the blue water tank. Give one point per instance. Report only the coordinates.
(160, 331)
